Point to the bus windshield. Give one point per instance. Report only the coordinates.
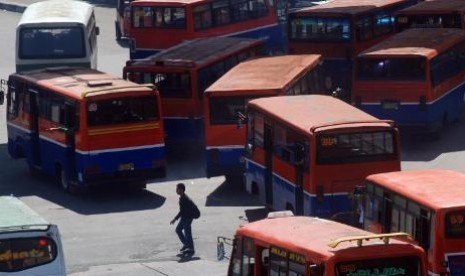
(320, 29)
(52, 43)
(355, 147)
(405, 68)
(408, 265)
(122, 110)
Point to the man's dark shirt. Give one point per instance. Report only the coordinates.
(185, 207)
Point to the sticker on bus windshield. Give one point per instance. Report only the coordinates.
(92, 107)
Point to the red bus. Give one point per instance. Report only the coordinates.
(428, 205)
(432, 14)
(415, 78)
(310, 246)
(74, 124)
(307, 153)
(157, 24)
(339, 30)
(226, 100)
(183, 72)
(123, 18)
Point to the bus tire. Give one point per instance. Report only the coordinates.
(117, 31)
(289, 207)
(62, 179)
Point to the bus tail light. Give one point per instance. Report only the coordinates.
(93, 169)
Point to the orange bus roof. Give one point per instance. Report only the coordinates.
(198, 52)
(426, 42)
(79, 83)
(348, 7)
(267, 73)
(431, 188)
(436, 6)
(308, 235)
(308, 112)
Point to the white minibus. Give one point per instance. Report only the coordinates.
(56, 33)
(29, 245)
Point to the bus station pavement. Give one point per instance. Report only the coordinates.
(172, 266)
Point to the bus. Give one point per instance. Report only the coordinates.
(339, 30)
(306, 153)
(183, 72)
(432, 14)
(29, 245)
(123, 18)
(302, 246)
(157, 25)
(415, 78)
(56, 33)
(427, 204)
(85, 127)
(226, 100)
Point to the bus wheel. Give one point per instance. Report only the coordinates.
(289, 207)
(63, 180)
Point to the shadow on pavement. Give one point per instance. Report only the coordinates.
(228, 194)
(103, 3)
(15, 179)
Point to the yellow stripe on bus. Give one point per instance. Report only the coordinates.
(110, 130)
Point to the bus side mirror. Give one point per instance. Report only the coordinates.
(2, 97)
(97, 31)
(299, 151)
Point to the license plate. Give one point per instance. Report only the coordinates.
(390, 105)
(126, 167)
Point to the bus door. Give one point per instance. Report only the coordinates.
(70, 130)
(299, 161)
(34, 123)
(268, 147)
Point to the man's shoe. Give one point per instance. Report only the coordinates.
(184, 248)
(189, 251)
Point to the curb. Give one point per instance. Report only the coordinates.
(12, 7)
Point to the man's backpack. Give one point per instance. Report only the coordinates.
(195, 211)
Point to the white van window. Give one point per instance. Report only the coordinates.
(22, 253)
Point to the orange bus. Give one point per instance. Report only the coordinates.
(310, 246)
(415, 78)
(427, 204)
(158, 24)
(226, 99)
(74, 124)
(339, 30)
(432, 14)
(183, 72)
(307, 153)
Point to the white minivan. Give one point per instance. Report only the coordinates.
(55, 33)
(29, 245)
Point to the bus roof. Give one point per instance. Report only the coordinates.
(426, 42)
(433, 188)
(267, 73)
(51, 11)
(198, 52)
(79, 83)
(307, 235)
(437, 6)
(348, 7)
(17, 215)
(311, 113)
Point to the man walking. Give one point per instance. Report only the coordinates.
(183, 229)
